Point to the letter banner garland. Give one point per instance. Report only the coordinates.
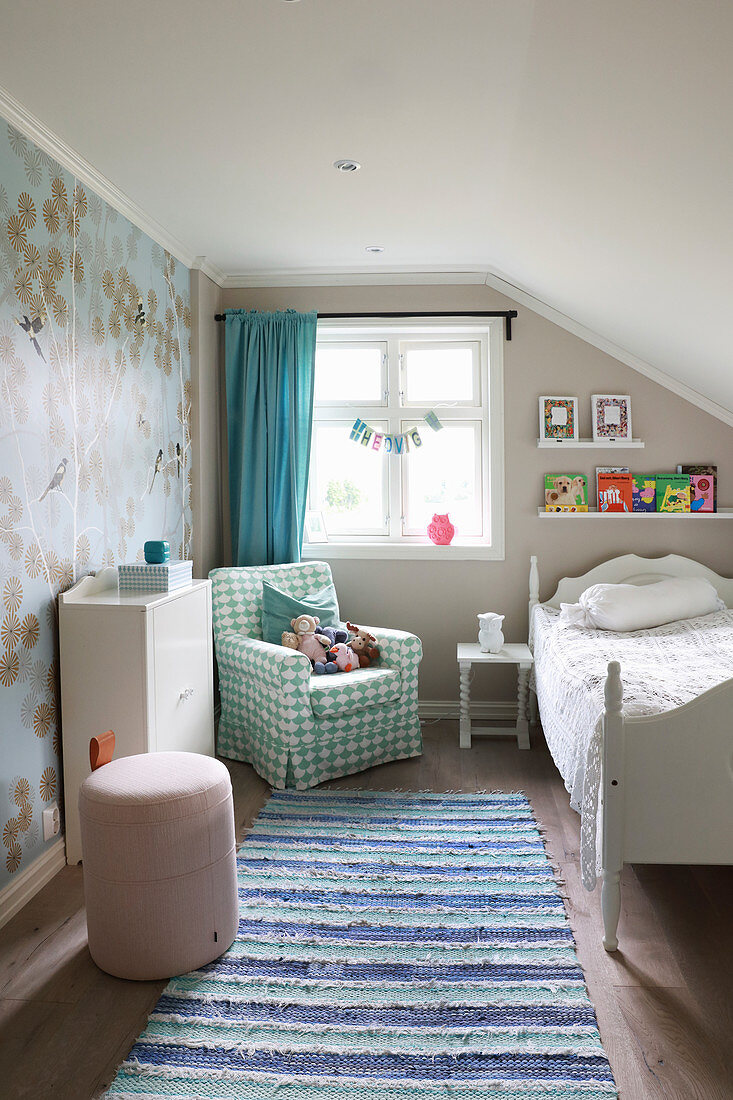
(393, 444)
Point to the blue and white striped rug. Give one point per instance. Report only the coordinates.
(391, 947)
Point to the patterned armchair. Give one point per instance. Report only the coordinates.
(297, 729)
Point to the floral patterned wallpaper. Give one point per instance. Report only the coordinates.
(94, 440)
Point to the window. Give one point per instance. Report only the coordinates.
(378, 494)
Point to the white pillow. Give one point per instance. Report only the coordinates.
(639, 607)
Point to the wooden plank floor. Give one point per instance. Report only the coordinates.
(664, 1002)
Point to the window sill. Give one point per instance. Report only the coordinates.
(467, 551)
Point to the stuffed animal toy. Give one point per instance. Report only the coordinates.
(329, 666)
(364, 645)
(309, 642)
(334, 635)
(289, 640)
(343, 657)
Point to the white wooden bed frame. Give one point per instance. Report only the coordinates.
(667, 779)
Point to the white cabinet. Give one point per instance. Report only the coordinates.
(138, 664)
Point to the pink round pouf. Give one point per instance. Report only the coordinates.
(159, 856)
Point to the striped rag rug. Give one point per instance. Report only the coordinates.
(391, 947)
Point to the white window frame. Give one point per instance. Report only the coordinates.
(489, 332)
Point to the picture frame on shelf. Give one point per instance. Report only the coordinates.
(315, 527)
(558, 418)
(611, 417)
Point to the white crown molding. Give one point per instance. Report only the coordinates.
(24, 885)
(654, 374)
(17, 115)
(416, 276)
(209, 268)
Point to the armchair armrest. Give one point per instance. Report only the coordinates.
(398, 649)
(281, 668)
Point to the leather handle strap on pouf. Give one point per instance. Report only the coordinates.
(101, 749)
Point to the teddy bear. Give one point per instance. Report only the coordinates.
(344, 657)
(310, 643)
(289, 640)
(364, 645)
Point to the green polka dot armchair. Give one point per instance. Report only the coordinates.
(297, 729)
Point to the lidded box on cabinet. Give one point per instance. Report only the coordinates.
(167, 577)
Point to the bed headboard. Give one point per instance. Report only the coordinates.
(631, 569)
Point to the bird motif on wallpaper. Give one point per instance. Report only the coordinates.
(157, 469)
(139, 318)
(58, 477)
(32, 329)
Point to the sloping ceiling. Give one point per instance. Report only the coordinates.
(583, 151)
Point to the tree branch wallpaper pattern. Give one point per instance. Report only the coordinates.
(94, 440)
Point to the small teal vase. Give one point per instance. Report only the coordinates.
(157, 552)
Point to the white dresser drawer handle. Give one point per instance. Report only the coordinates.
(186, 694)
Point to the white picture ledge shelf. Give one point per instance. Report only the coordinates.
(595, 444)
(722, 513)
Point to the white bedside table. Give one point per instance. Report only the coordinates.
(469, 653)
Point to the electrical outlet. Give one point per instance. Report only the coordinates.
(51, 821)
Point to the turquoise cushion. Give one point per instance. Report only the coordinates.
(278, 609)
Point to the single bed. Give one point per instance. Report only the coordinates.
(640, 725)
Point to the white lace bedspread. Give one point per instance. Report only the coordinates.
(661, 669)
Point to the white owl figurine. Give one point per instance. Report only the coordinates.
(490, 637)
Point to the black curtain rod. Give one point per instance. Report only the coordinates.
(507, 314)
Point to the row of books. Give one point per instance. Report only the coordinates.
(690, 489)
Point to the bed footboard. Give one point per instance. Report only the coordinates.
(667, 788)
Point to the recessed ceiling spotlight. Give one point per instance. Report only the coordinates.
(347, 165)
(374, 248)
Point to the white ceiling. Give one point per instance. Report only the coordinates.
(582, 150)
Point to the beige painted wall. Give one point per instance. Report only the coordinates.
(439, 600)
(207, 390)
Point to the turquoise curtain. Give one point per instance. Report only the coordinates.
(270, 371)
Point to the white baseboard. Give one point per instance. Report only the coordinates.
(25, 885)
(503, 710)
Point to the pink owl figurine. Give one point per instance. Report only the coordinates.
(441, 530)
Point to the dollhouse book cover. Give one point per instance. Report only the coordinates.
(566, 493)
(673, 492)
(644, 493)
(615, 492)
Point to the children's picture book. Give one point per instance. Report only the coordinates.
(644, 492)
(702, 493)
(566, 493)
(615, 491)
(609, 470)
(673, 493)
(702, 471)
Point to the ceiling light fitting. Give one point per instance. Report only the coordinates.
(374, 248)
(347, 165)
